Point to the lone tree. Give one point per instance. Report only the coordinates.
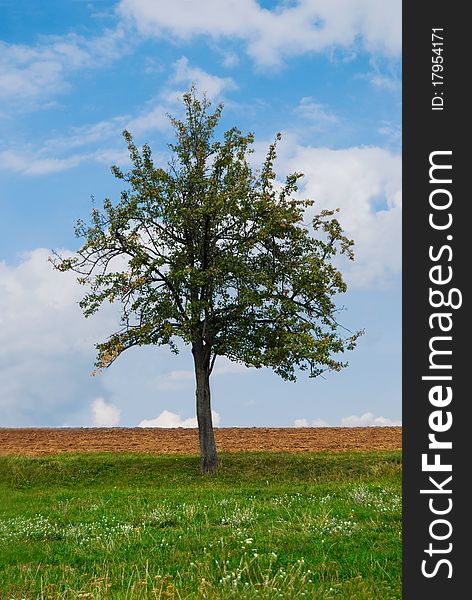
(215, 253)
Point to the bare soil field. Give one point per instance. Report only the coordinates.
(37, 441)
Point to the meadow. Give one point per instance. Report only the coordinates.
(135, 526)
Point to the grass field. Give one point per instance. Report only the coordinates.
(137, 526)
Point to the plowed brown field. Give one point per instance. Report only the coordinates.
(32, 441)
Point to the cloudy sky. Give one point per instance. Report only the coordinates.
(325, 73)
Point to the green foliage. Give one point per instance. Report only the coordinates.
(136, 527)
(214, 252)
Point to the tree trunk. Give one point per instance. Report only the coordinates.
(209, 457)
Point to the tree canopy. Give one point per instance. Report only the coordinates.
(216, 253)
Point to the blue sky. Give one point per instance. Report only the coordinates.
(74, 74)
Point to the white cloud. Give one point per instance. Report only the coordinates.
(150, 119)
(313, 423)
(105, 415)
(169, 419)
(230, 59)
(31, 163)
(77, 137)
(385, 82)
(314, 113)
(37, 162)
(384, 75)
(54, 155)
(46, 345)
(365, 183)
(35, 304)
(205, 82)
(271, 35)
(49, 158)
(35, 73)
(368, 419)
(391, 131)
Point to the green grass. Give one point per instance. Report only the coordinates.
(138, 527)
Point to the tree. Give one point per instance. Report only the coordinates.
(217, 254)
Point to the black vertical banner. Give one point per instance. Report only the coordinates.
(437, 501)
